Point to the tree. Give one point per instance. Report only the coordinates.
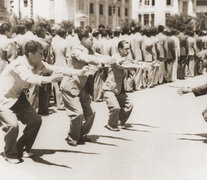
(181, 22)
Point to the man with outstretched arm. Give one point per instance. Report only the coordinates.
(14, 106)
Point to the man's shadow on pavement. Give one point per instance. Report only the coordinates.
(138, 124)
(191, 139)
(38, 153)
(129, 127)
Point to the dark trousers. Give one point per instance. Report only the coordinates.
(24, 112)
(120, 108)
(181, 67)
(44, 99)
(80, 112)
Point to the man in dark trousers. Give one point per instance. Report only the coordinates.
(75, 93)
(116, 99)
(16, 78)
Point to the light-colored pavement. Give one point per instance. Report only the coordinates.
(166, 140)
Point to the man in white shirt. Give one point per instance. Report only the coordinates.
(16, 78)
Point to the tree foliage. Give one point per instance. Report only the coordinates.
(181, 22)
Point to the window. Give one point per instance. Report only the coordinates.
(91, 8)
(146, 19)
(201, 3)
(119, 11)
(110, 11)
(185, 7)
(140, 2)
(153, 2)
(126, 11)
(25, 3)
(168, 2)
(12, 3)
(140, 18)
(101, 9)
(167, 15)
(81, 5)
(152, 19)
(147, 2)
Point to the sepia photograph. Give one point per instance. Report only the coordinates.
(103, 89)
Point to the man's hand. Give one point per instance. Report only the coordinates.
(184, 90)
(56, 77)
(85, 70)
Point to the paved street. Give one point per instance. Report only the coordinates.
(166, 139)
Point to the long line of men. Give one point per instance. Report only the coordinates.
(102, 64)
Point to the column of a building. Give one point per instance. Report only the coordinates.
(176, 7)
(190, 8)
(88, 12)
(130, 9)
(150, 19)
(97, 12)
(122, 9)
(106, 14)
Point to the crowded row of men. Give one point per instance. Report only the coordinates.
(82, 66)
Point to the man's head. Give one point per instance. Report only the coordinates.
(40, 32)
(123, 48)
(34, 52)
(85, 38)
(20, 29)
(62, 33)
(29, 24)
(5, 29)
(160, 28)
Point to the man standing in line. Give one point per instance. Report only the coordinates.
(116, 99)
(16, 78)
(61, 49)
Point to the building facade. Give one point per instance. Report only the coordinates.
(81, 12)
(4, 9)
(155, 12)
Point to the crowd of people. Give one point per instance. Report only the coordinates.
(76, 66)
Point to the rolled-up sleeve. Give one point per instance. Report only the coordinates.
(200, 90)
(26, 75)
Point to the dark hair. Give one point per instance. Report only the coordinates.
(125, 30)
(137, 28)
(43, 24)
(153, 31)
(95, 33)
(32, 47)
(20, 29)
(160, 28)
(109, 32)
(5, 27)
(40, 31)
(70, 31)
(78, 29)
(29, 23)
(61, 32)
(101, 26)
(117, 33)
(147, 32)
(89, 29)
(121, 44)
(83, 34)
(104, 33)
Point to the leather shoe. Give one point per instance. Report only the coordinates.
(10, 160)
(70, 141)
(111, 128)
